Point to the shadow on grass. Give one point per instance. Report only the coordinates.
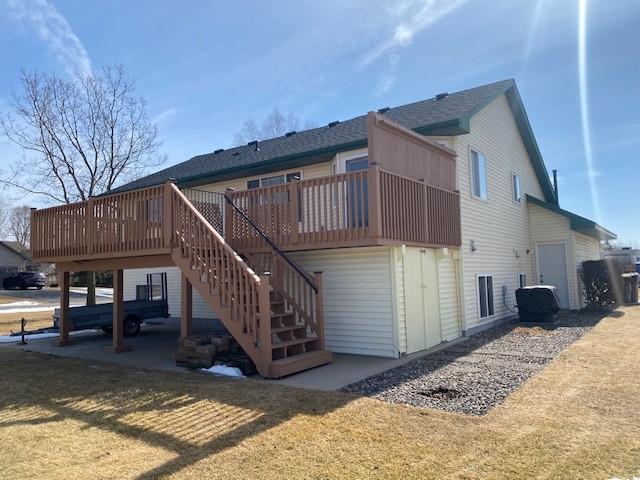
(193, 416)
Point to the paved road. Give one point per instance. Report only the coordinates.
(51, 295)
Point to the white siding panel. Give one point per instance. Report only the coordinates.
(358, 304)
(398, 268)
(135, 277)
(448, 292)
(499, 227)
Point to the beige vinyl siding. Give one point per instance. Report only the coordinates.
(133, 277)
(498, 226)
(550, 227)
(449, 298)
(358, 303)
(586, 248)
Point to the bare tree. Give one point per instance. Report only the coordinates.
(274, 125)
(5, 212)
(20, 224)
(80, 137)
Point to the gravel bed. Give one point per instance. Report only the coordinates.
(473, 376)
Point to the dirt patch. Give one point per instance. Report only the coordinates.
(532, 331)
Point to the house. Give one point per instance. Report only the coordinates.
(630, 257)
(384, 235)
(14, 257)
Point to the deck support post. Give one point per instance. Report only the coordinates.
(186, 306)
(118, 314)
(64, 322)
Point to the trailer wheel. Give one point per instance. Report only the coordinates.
(131, 326)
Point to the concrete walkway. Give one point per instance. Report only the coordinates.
(155, 344)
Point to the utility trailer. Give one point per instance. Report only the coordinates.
(151, 302)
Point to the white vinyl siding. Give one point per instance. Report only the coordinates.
(133, 277)
(398, 267)
(358, 304)
(500, 231)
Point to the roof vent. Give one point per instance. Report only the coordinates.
(288, 134)
(235, 154)
(384, 110)
(256, 144)
(441, 96)
(219, 151)
(333, 124)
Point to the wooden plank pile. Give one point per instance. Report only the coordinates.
(205, 350)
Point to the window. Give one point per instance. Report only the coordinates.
(517, 192)
(478, 175)
(355, 164)
(522, 280)
(274, 180)
(485, 295)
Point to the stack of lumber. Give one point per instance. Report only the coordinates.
(205, 350)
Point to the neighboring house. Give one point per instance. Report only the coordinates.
(630, 257)
(14, 257)
(424, 219)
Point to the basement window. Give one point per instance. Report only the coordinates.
(274, 180)
(485, 295)
(478, 175)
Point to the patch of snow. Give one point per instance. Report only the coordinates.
(28, 309)
(35, 336)
(100, 292)
(224, 370)
(24, 303)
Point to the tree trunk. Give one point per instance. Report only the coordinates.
(91, 288)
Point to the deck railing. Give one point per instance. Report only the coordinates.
(347, 209)
(125, 224)
(367, 207)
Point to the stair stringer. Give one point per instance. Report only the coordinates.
(223, 312)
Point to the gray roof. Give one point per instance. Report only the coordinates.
(447, 116)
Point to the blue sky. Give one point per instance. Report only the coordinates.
(206, 66)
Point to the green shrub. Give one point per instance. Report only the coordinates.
(602, 283)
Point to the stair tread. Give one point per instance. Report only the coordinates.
(288, 328)
(283, 314)
(300, 357)
(295, 341)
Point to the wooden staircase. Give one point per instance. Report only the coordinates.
(277, 318)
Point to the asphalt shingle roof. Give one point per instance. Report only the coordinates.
(433, 116)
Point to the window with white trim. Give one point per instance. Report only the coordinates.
(485, 295)
(517, 190)
(522, 280)
(273, 180)
(478, 175)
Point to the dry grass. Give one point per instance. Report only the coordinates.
(11, 321)
(64, 418)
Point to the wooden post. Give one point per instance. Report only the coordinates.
(64, 322)
(374, 201)
(317, 276)
(186, 306)
(167, 213)
(293, 211)
(118, 314)
(228, 216)
(264, 306)
(89, 226)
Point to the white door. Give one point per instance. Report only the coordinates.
(552, 269)
(422, 309)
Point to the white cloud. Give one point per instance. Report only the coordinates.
(411, 17)
(164, 115)
(54, 30)
(384, 85)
